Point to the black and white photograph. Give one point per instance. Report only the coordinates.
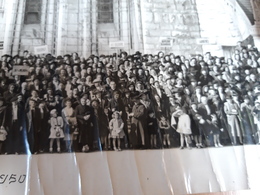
(115, 77)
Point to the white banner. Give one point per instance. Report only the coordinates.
(205, 41)
(41, 50)
(117, 44)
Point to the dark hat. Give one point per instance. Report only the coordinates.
(36, 79)
(132, 75)
(130, 84)
(95, 91)
(109, 66)
(155, 82)
(246, 97)
(57, 94)
(67, 99)
(16, 56)
(67, 55)
(48, 57)
(68, 78)
(6, 55)
(228, 97)
(138, 97)
(97, 81)
(59, 58)
(139, 82)
(94, 100)
(122, 81)
(107, 95)
(13, 99)
(193, 80)
(116, 92)
(123, 52)
(31, 57)
(234, 93)
(133, 68)
(138, 53)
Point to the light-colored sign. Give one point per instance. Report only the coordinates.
(20, 70)
(1, 45)
(117, 44)
(41, 50)
(205, 41)
(165, 42)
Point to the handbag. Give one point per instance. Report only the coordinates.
(58, 133)
(76, 131)
(3, 133)
(58, 130)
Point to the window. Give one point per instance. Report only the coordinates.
(33, 12)
(105, 11)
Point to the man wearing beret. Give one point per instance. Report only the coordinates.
(139, 116)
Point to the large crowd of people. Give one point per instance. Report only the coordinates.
(140, 101)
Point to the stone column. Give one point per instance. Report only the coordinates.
(138, 25)
(49, 39)
(94, 27)
(14, 22)
(61, 27)
(125, 24)
(8, 24)
(86, 43)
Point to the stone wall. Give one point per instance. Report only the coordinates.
(175, 20)
(118, 31)
(224, 23)
(67, 26)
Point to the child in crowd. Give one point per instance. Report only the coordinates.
(152, 129)
(215, 130)
(116, 126)
(165, 131)
(56, 132)
(184, 129)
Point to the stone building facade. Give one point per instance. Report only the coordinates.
(108, 26)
